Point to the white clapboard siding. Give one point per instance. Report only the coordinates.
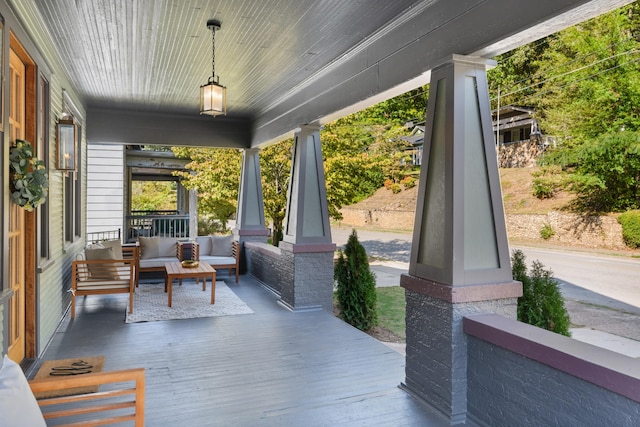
(105, 187)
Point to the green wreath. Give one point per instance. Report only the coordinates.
(29, 177)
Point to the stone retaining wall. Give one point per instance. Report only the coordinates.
(570, 230)
(519, 154)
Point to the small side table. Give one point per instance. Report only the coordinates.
(175, 270)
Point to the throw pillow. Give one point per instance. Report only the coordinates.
(148, 247)
(116, 245)
(157, 247)
(101, 271)
(221, 245)
(167, 247)
(18, 406)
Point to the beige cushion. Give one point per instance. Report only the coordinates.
(94, 252)
(101, 271)
(221, 245)
(157, 247)
(116, 245)
(18, 406)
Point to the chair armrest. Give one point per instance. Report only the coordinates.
(195, 250)
(107, 405)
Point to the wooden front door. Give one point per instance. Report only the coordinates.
(17, 306)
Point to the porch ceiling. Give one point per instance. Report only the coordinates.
(140, 63)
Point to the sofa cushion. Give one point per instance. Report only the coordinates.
(215, 261)
(221, 245)
(156, 262)
(155, 247)
(18, 406)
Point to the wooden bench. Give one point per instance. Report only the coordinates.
(101, 277)
(123, 404)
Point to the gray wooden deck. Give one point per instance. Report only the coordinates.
(271, 368)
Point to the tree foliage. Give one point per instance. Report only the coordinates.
(582, 81)
(607, 177)
(275, 166)
(356, 285)
(153, 196)
(215, 175)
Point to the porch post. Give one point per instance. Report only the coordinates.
(250, 222)
(193, 214)
(307, 241)
(460, 256)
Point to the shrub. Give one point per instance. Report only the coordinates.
(541, 303)
(395, 188)
(356, 285)
(630, 222)
(544, 188)
(547, 182)
(547, 232)
(408, 182)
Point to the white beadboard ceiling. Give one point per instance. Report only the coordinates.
(284, 62)
(155, 54)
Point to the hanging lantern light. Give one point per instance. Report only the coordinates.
(213, 96)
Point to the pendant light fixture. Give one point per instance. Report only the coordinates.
(213, 96)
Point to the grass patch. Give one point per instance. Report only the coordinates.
(391, 306)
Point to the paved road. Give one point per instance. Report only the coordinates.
(601, 292)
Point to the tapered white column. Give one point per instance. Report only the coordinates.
(250, 221)
(307, 242)
(307, 216)
(459, 261)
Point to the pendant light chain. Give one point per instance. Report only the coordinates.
(213, 53)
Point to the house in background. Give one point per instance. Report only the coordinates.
(113, 171)
(514, 124)
(519, 141)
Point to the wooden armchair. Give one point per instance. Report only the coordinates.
(111, 406)
(104, 276)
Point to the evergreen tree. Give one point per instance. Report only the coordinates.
(541, 303)
(356, 285)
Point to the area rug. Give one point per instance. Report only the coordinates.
(188, 301)
(69, 367)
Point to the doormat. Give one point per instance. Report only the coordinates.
(69, 367)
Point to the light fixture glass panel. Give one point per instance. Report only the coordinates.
(213, 99)
(66, 140)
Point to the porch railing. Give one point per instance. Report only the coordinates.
(156, 223)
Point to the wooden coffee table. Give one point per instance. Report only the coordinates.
(175, 270)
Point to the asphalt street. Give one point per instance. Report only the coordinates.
(602, 292)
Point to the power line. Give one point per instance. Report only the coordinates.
(536, 95)
(569, 72)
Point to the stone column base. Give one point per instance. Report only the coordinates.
(436, 361)
(311, 281)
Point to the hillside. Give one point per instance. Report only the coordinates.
(516, 194)
(526, 215)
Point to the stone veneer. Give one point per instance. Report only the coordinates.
(436, 352)
(518, 374)
(303, 280)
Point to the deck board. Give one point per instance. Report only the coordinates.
(273, 367)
